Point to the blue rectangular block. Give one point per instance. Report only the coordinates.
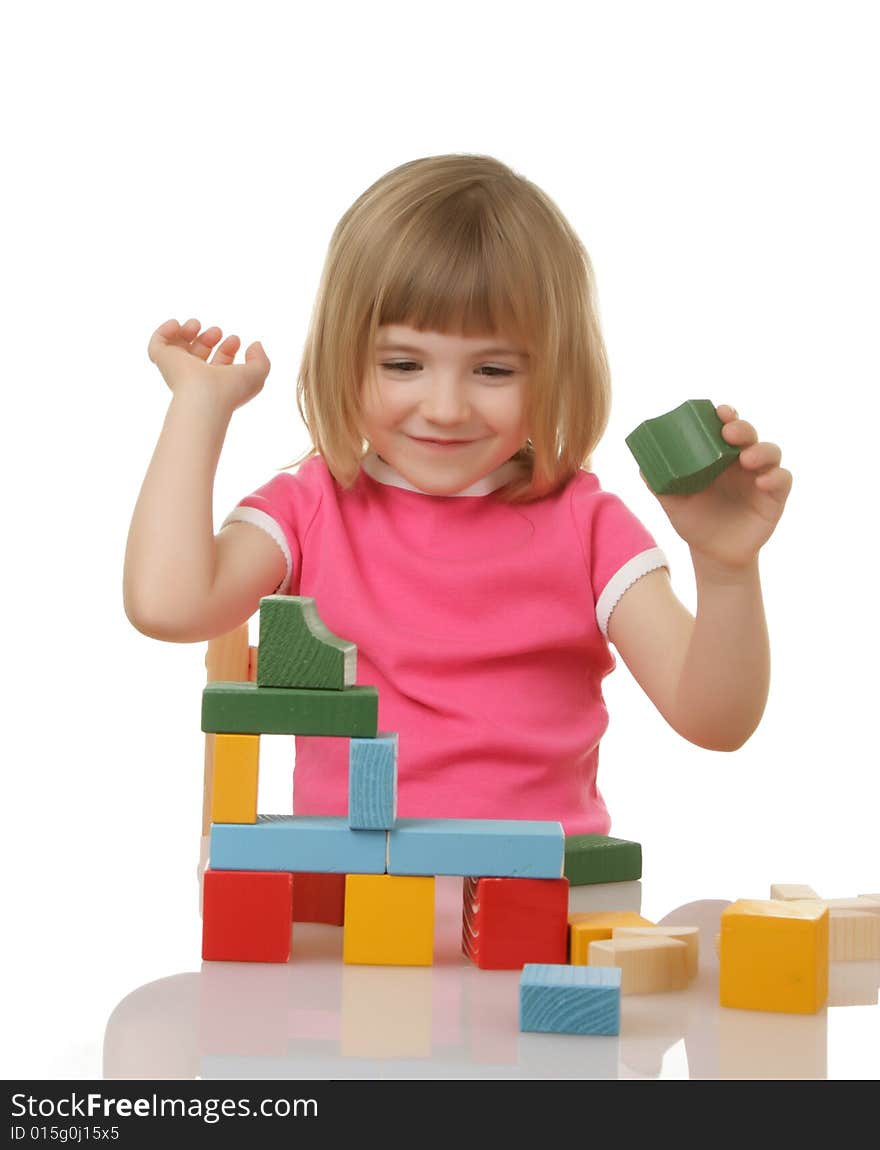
(560, 999)
(372, 782)
(315, 843)
(479, 848)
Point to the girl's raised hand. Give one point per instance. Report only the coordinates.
(181, 354)
(729, 521)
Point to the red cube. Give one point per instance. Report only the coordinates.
(319, 898)
(507, 922)
(246, 916)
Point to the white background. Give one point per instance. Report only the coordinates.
(719, 160)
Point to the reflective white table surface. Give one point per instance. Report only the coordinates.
(318, 1018)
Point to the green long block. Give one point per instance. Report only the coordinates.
(598, 858)
(682, 451)
(247, 709)
(296, 649)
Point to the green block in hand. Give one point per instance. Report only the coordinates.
(682, 451)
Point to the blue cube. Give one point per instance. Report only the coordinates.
(372, 782)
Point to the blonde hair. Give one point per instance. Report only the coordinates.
(459, 243)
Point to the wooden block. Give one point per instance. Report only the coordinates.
(372, 782)
(786, 891)
(507, 922)
(246, 916)
(236, 778)
(682, 451)
(319, 898)
(248, 709)
(298, 650)
(854, 935)
(872, 897)
(497, 848)
(689, 935)
(600, 859)
(862, 903)
(648, 965)
(774, 955)
(561, 999)
(590, 926)
(605, 896)
(226, 658)
(313, 843)
(389, 920)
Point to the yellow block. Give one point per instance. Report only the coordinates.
(774, 955)
(590, 926)
(389, 920)
(236, 774)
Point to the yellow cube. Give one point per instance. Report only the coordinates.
(236, 778)
(774, 955)
(389, 920)
(585, 927)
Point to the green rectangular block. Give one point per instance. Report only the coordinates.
(598, 858)
(247, 709)
(683, 451)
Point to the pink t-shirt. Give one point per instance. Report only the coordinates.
(483, 626)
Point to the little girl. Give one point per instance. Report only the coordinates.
(454, 382)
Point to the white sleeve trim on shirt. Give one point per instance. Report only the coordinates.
(266, 523)
(632, 570)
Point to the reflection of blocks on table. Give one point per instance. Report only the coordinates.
(774, 955)
(247, 916)
(389, 920)
(508, 922)
(648, 965)
(560, 999)
(592, 926)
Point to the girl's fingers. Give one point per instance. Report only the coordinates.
(760, 456)
(202, 344)
(739, 433)
(225, 353)
(776, 482)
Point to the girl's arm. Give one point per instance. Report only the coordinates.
(180, 582)
(709, 676)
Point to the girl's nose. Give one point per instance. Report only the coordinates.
(446, 401)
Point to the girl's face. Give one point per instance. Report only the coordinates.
(444, 410)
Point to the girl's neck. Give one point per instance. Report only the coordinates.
(376, 467)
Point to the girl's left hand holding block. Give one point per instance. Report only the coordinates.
(727, 523)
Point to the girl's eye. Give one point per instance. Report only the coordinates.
(410, 365)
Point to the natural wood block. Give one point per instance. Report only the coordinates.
(589, 926)
(854, 935)
(236, 778)
(774, 955)
(786, 891)
(649, 965)
(298, 650)
(689, 935)
(248, 709)
(389, 920)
